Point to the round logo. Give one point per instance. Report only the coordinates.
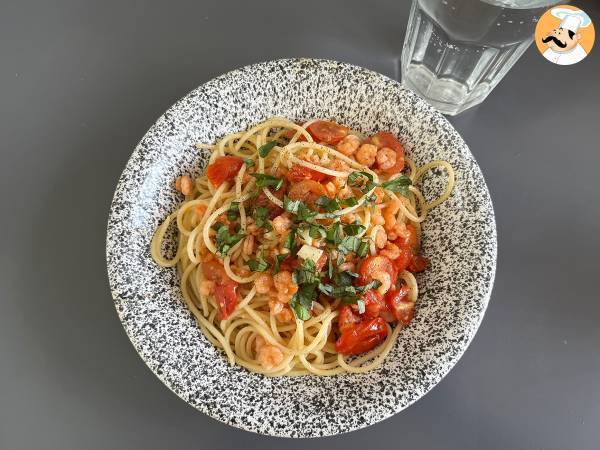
(564, 35)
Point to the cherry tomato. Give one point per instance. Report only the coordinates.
(410, 241)
(225, 288)
(403, 261)
(418, 264)
(347, 318)
(299, 173)
(375, 305)
(226, 296)
(224, 168)
(387, 139)
(400, 305)
(290, 134)
(327, 132)
(362, 337)
(308, 191)
(375, 264)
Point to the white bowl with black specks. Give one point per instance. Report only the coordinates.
(459, 238)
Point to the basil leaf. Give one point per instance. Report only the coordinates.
(225, 240)
(349, 244)
(258, 265)
(363, 249)
(333, 234)
(367, 287)
(297, 207)
(316, 231)
(399, 185)
(218, 225)
(263, 181)
(306, 273)
(291, 205)
(264, 150)
(328, 204)
(357, 179)
(329, 264)
(261, 218)
(278, 260)
(249, 162)
(302, 300)
(233, 211)
(353, 229)
(350, 201)
(290, 241)
(343, 278)
(340, 259)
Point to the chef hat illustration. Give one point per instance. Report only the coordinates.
(570, 19)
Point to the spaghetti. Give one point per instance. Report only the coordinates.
(296, 250)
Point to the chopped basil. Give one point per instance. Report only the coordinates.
(328, 204)
(297, 207)
(218, 225)
(370, 199)
(264, 150)
(399, 185)
(333, 234)
(340, 259)
(258, 265)
(367, 287)
(290, 241)
(329, 264)
(350, 201)
(361, 180)
(278, 260)
(261, 218)
(249, 162)
(363, 249)
(233, 211)
(302, 300)
(263, 181)
(353, 229)
(306, 273)
(225, 240)
(316, 231)
(349, 244)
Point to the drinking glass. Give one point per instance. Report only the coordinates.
(456, 51)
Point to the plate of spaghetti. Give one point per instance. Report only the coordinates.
(301, 248)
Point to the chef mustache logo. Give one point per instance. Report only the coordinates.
(561, 44)
(564, 35)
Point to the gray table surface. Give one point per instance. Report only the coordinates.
(80, 83)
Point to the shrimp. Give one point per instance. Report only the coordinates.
(285, 286)
(389, 213)
(385, 279)
(386, 158)
(269, 356)
(391, 251)
(366, 154)
(281, 224)
(348, 145)
(381, 238)
(281, 311)
(263, 283)
(248, 246)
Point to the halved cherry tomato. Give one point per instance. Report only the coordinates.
(224, 168)
(402, 261)
(321, 262)
(375, 305)
(225, 288)
(418, 263)
(347, 319)
(226, 296)
(327, 132)
(299, 173)
(308, 191)
(387, 139)
(401, 307)
(362, 337)
(290, 134)
(409, 241)
(375, 264)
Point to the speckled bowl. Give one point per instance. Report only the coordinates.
(459, 238)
